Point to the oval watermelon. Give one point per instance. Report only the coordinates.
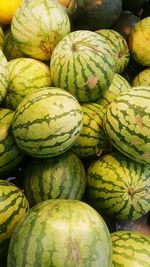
(61, 233)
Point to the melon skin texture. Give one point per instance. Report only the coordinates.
(47, 122)
(61, 233)
(83, 65)
(130, 249)
(38, 26)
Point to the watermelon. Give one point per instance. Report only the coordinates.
(10, 154)
(142, 78)
(24, 76)
(139, 42)
(10, 48)
(59, 177)
(119, 48)
(127, 123)
(119, 186)
(130, 249)
(61, 232)
(1, 37)
(3, 76)
(119, 85)
(47, 122)
(82, 64)
(92, 140)
(13, 206)
(38, 26)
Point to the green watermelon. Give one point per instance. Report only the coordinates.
(38, 26)
(24, 76)
(142, 78)
(130, 249)
(119, 186)
(119, 48)
(10, 154)
(59, 177)
(47, 122)
(3, 76)
(82, 64)
(60, 233)
(13, 206)
(92, 140)
(119, 85)
(139, 42)
(127, 123)
(10, 48)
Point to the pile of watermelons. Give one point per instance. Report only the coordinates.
(75, 133)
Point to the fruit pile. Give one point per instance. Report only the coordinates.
(75, 133)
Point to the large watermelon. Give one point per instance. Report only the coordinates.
(119, 186)
(10, 154)
(118, 48)
(13, 206)
(59, 177)
(24, 76)
(60, 233)
(1, 38)
(47, 122)
(130, 249)
(3, 76)
(83, 65)
(92, 140)
(127, 123)
(38, 26)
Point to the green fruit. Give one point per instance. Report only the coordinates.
(130, 249)
(83, 65)
(3, 76)
(127, 123)
(142, 78)
(60, 177)
(38, 26)
(60, 233)
(119, 186)
(13, 206)
(47, 122)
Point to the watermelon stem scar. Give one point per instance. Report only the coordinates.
(76, 47)
(132, 191)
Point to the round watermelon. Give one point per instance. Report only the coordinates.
(38, 26)
(59, 177)
(83, 65)
(3, 76)
(47, 122)
(60, 233)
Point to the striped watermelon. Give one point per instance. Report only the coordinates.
(139, 42)
(3, 78)
(24, 76)
(10, 48)
(47, 122)
(60, 233)
(119, 186)
(10, 154)
(59, 177)
(1, 38)
(119, 48)
(83, 65)
(13, 206)
(130, 249)
(119, 85)
(92, 140)
(38, 26)
(127, 123)
(142, 78)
